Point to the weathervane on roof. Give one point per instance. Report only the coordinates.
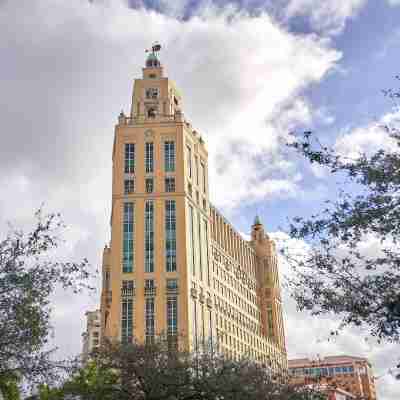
(155, 48)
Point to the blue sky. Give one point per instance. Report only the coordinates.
(250, 72)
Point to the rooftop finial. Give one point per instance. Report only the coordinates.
(152, 58)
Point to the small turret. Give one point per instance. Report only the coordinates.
(257, 230)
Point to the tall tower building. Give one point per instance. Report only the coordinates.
(175, 265)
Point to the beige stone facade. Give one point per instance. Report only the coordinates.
(174, 264)
(353, 374)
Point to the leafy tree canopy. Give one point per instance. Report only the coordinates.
(29, 274)
(159, 371)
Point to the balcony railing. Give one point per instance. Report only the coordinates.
(141, 119)
(150, 291)
(127, 292)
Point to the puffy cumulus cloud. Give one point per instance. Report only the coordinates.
(328, 17)
(308, 336)
(369, 138)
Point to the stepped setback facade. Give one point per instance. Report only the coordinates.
(175, 265)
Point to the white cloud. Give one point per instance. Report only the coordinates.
(370, 138)
(394, 2)
(329, 16)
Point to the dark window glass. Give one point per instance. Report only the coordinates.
(170, 184)
(129, 186)
(129, 158)
(149, 185)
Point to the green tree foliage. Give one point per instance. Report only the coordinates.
(159, 371)
(338, 275)
(9, 386)
(29, 274)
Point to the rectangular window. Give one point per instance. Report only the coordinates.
(169, 156)
(205, 244)
(151, 93)
(149, 237)
(170, 235)
(210, 332)
(149, 283)
(189, 161)
(170, 184)
(149, 157)
(128, 238)
(191, 239)
(203, 174)
(107, 280)
(127, 320)
(200, 243)
(196, 165)
(149, 318)
(194, 327)
(129, 158)
(149, 185)
(203, 329)
(172, 316)
(129, 186)
(270, 323)
(172, 284)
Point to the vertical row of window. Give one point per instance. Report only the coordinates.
(198, 245)
(169, 157)
(149, 237)
(128, 232)
(169, 166)
(127, 309)
(202, 335)
(170, 235)
(202, 171)
(128, 237)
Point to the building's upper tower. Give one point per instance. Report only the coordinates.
(174, 264)
(159, 213)
(155, 97)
